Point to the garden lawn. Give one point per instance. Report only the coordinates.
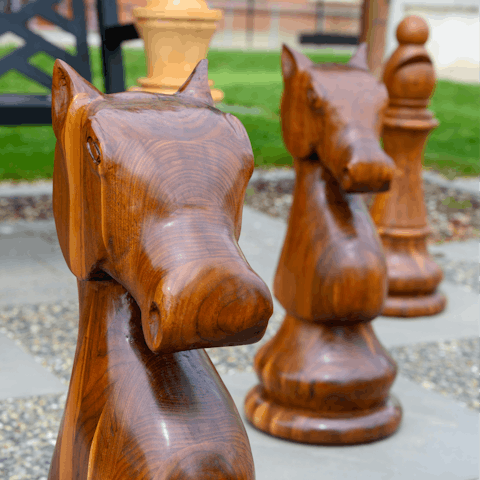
(251, 79)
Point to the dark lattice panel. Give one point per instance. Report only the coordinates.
(324, 39)
(35, 109)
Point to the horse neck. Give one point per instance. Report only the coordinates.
(107, 313)
(318, 199)
(116, 376)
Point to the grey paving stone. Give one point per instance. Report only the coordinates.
(463, 184)
(464, 251)
(459, 319)
(21, 375)
(26, 189)
(32, 268)
(437, 440)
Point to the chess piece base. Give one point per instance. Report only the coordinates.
(324, 384)
(418, 306)
(306, 426)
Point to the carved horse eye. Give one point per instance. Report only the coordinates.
(94, 151)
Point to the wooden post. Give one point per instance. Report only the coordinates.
(325, 378)
(148, 193)
(400, 214)
(374, 31)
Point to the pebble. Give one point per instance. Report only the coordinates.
(28, 435)
(29, 426)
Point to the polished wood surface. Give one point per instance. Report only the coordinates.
(324, 377)
(148, 196)
(400, 213)
(176, 36)
(374, 32)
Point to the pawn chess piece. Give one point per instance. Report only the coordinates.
(325, 378)
(400, 213)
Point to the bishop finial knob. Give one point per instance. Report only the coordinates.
(412, 29)
(409, 74)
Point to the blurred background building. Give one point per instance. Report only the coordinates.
(454, 25)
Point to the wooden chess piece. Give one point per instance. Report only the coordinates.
(400, 213)
(325, 377)
(148, 196)
(176, 35)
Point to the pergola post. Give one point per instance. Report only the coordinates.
(374, 32)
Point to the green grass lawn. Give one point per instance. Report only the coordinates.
(250, 79)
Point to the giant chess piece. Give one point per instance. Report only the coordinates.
(176, 35)
(147, 195)
(325, 378)
(400, 213)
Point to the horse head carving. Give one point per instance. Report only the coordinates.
(335, 112)
(148, 191)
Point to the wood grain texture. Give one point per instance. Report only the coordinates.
(148, 195)
(374, 32)
(132, 413)
(324, 377)
(400, 213)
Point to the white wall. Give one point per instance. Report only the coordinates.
(454, 41)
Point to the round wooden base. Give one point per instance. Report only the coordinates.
(418, 306)
(307, 426)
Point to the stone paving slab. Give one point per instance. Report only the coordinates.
(460, 319)
(437, 440)
(32, 270)
(45, 187)
(469, 250)
(21, 375)
(465, 184)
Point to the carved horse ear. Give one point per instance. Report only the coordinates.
(293, 61)
(66, 84)
(359, 59)
(196, 84)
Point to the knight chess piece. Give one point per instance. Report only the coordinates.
(147, 195)
(324, 377)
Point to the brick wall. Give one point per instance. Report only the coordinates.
(292, 16)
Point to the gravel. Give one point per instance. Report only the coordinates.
(451, 214)
(28, 432)
(49, 333)
(28, 426)
(26, 208)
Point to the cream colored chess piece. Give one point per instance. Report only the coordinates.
(176, 34)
